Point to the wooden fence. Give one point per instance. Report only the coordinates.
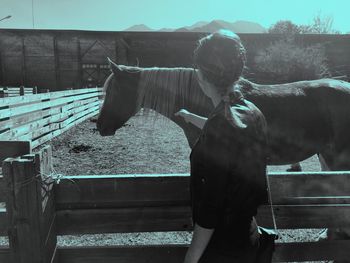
(41, 117)
(29, 121)
(16, 91)
(38, 211)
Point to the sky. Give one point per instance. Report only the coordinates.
(115, 15)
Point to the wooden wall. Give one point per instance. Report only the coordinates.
(55, 59)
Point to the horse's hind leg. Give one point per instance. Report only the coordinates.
(335, 160)
(323, 163)
(330, 161)
(295, 167)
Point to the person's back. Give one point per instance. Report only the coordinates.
(228, 161)
(232, 151)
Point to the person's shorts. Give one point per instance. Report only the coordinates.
(246, 255)
(222, 250)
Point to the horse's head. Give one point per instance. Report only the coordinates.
(120, 102)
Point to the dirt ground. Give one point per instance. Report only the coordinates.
(151, 144)
(143, 145)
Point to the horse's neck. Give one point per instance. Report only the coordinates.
(108, 80)
(166, 91)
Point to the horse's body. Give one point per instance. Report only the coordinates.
(304, 118)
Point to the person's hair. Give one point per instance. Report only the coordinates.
(221, 58)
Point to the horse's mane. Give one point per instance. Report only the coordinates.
(105, 85)
(167, 90)
(129, 69)
(163, 89)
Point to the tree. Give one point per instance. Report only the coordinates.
(322, 25)
(286, 61)
(285, 27)
(319, 25)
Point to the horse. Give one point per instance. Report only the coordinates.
(303, 118)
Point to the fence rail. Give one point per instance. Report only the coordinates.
(146, 203)
(41, 117)
(16, 91)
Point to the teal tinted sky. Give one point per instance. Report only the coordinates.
(114, 15)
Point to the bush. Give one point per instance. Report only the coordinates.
(285, 61)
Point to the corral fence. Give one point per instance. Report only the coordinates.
(17, 91)
(41, 204)
(38, 209)
(29, 121)
(40, 117)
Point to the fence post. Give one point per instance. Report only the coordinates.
(5, 92)
(14, 149)
(45, 91)
(21, 91)
(30, 208)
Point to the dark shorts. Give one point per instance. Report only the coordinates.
(222, 250)
(212, 255)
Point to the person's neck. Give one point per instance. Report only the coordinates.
(214, 95)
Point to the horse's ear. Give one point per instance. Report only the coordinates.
(114, 67)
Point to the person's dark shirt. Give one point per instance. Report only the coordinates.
(228, 168)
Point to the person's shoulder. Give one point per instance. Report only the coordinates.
(218, 120)
(218, 125)
(255, 119)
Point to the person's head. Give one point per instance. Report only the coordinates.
(219, 58)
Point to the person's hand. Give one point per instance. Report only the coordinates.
(189, 258)
(200, 239)
(184, 114)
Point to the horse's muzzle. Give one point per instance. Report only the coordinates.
(104, 131)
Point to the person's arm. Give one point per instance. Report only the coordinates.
(200, 240)
(209, 198)
(196, 120)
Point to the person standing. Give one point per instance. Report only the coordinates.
(228, 161)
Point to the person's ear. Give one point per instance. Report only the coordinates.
(114, 67)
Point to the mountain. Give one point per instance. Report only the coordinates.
(215, 25)
(140, 27)
(184, 29)
(198, 24)
(237, 27)
(165, 29)
(249, 27)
